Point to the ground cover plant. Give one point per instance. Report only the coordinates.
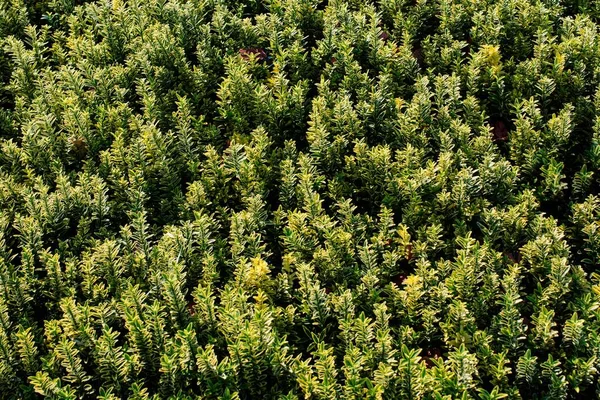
(299, 199)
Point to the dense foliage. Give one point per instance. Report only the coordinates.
(299, 199)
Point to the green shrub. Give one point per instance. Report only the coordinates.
(292, 199)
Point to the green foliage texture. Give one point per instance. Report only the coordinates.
(299, 199)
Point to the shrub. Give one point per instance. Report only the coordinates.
(299, 199)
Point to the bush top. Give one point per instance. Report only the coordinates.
(292, 199)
